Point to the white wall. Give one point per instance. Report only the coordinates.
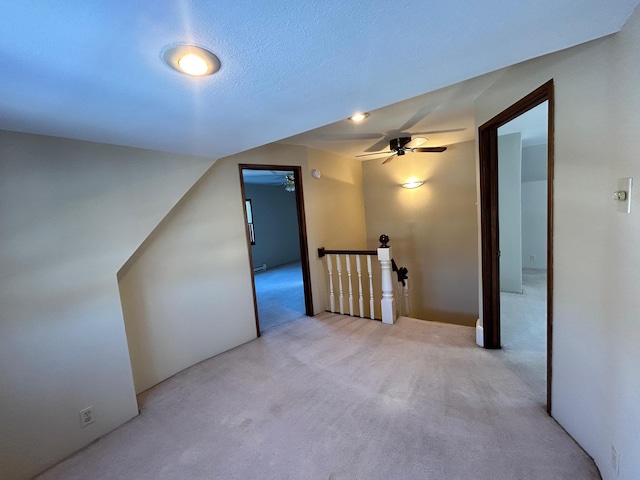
(534, 162)
(596, 358)
(335, 212)
(275, 223)
(71, 214)
(432, 228)
(510, 211)
(336, 204)
(534, 206)
(534, 224)
(186, 294)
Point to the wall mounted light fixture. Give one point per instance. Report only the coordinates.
(413, 183)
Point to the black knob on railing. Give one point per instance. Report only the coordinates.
(402, 272)
(384, 240)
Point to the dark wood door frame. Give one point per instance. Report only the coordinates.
(488, 150)
(302, 234)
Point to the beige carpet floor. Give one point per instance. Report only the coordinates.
(524, 331)
(280, 295)
(334, 397)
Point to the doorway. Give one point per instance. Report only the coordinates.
(491, 218)
(277, 243)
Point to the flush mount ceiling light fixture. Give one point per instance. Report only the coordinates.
(358, 117)
(191, 60)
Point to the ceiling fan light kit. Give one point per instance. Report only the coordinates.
(289, 183)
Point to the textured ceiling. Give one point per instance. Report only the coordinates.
(91, 70)
(443, 117)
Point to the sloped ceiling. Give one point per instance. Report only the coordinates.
(92, 70)
(443, 117)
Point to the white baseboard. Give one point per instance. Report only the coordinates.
(479, 334)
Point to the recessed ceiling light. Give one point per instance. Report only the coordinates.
(191, 60)
(358, 117)
(192, 64)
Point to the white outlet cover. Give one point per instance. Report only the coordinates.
(87, 416)
(624, 185)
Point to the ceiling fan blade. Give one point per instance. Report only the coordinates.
(419, 115)
(415, 142)
(390, 158)
(348, 136)
(375, 153)
(379, 145)
(429, 149)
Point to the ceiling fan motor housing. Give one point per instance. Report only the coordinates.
(398, 143)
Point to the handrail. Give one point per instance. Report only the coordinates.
(383, 254)
(322, 252)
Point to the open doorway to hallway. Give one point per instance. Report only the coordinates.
(504, 234)
(280, 295)
(275, 221)
(522, 200)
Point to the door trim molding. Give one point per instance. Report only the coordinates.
(302, 234)
(488, 154)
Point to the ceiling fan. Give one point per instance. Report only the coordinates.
(402, 145)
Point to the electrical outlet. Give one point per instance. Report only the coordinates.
(87, 417)
(532, 258)
(615, 461)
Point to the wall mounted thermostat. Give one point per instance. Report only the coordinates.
(622, 195)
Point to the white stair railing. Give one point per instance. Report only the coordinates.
(341, 297)
(394, 300)
(371, 303)
(405, 298)
(332, 297)
(386, 304)
(348, 260)
(360, 294)
(401, 290)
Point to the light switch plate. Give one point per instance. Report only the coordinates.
(624, 184)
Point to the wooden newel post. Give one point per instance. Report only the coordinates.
(384, 256)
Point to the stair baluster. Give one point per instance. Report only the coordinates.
(348, 260)
(332, 297)
(371, 303)
(340, 292)
(360, 295)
